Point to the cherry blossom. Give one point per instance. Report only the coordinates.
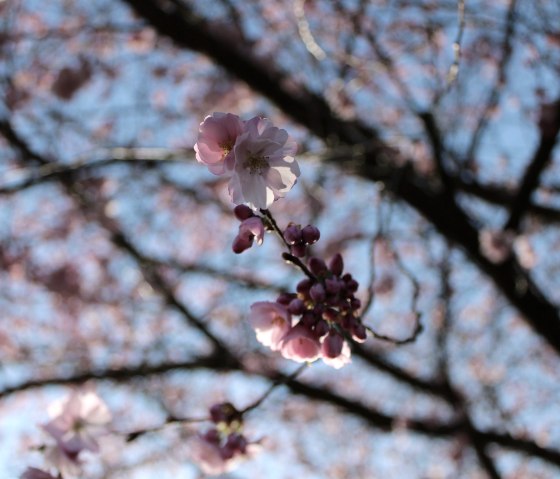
(77, 421)
(316, 321)
(265, 168)
(300, 345)
(271, 322)
(223, 446)
(216, 139)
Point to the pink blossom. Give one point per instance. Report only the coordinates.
(265, 168)
(207, 454)
(34, 473)
(300, 345)
(249, 230)
(216, 139)
(216, 454)
(271, 322)
(67, 462)
(77, 421)
(496, 245)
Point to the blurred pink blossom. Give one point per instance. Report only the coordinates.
(34, 473)
(265, 168)
(216, 453)
(216, 139)
(77, 421)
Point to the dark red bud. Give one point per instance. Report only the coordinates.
(292, 234)
(317, 266)
(317, 293)
(359, 333)
(285, 298)
(332, 345)
(243, 212)
(303, 286)
(298, 250)
(321, 328)
(296, 306)
(310, 234)
(241, 243)
(337, 264)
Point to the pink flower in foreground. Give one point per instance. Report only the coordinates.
(271, 322)
(34, 473)
(216, 139)
(265, 168)
(300, 345)
(249, 230)
(77, 422)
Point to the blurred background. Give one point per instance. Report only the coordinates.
(426, 133)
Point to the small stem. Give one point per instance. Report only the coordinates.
(272, 387)
(288, 256)
(299, 263)
(131, 436)
(275, 227)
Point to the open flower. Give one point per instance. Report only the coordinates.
(300, 345)
(76, 423)
(271, 322)
(265, 168)
(216, 139)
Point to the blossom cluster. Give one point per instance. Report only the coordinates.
(76, 424)
(223, 446)
(321, 317)
(317, 320)
(256, 156)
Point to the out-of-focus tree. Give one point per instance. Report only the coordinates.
(426, 134)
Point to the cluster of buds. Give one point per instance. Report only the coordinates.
(221, 447)
(250, 229)
(300, 238)
(75, 426)
(316, 321)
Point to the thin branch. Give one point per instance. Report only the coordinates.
(541, 159)
(56, 171)
(494, 96)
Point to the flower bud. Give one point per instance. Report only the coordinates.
(332, 345)
(332, 285)
(296, 306)
(359, 333)
(285, 298)
(317, 266)
(310, 234)
(298, 250)
(243, 212)
(321, 328)
(336, 265)
(317, 293)
(241, 243)
(292, 234)
(303, 286)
